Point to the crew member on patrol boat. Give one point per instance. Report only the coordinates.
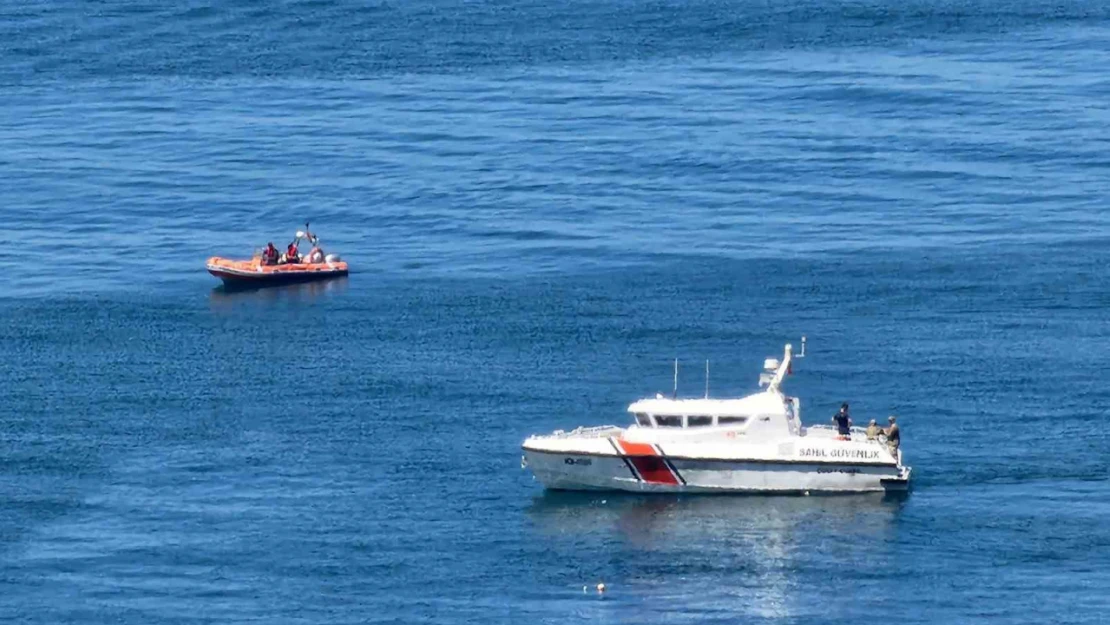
(291, 253)
(843, 423)
(893, 436)
(873, 431)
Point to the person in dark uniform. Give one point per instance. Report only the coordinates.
(893, 436)
(843, 423)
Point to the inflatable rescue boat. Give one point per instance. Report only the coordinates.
(267, 267)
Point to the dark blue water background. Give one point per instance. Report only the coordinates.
(543, 204)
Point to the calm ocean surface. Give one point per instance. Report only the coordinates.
(543, 204)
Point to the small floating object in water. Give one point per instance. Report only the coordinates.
(601, 588)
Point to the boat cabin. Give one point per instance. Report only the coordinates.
(646, 420)
(765, 415)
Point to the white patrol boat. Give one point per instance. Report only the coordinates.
(754, 444)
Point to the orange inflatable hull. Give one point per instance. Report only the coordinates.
(253, 272)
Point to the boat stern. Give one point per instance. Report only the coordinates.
(898, 483)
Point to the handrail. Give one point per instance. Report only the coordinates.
(855, 430)
(597, 431)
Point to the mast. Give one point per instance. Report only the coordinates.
(674, 394)
(780, 373)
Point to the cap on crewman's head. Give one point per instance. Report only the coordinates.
(891, 418)
(872, 422)
(844, 406)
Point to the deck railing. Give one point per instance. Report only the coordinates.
(830, 431)
(597, 431)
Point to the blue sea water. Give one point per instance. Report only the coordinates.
(543, 204)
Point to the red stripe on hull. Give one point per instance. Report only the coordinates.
(654, 470)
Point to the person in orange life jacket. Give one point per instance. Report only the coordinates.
(291, 253)
(843, 423)
(270, 254)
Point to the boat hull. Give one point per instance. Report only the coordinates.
(560, 470)
(249, 273)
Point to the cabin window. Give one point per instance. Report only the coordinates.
(731, 420)
(698, 421)
(668, 421)
(643, 419)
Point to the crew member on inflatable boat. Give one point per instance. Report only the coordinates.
(316, 256)
(270, 255)
(291, 253)
(843, 423)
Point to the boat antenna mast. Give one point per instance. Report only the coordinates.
(775, 371)
(707, 378)
(674, 393)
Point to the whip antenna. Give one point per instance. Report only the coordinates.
(674, 393)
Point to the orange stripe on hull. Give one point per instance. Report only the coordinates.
(636, 449)
(652, 468)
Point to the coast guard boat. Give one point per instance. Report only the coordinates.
(754, 444)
